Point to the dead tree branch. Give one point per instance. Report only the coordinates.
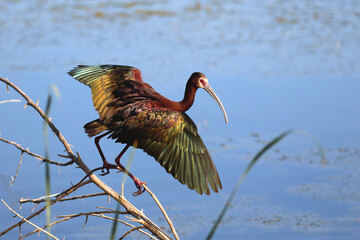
(37, 156)
(87, 214)
(130, 231)
(43, 199)
(24, 219)
(65, 193)
(163, 212)
(137, 214)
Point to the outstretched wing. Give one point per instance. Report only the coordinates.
(172, 139)
(105, 81)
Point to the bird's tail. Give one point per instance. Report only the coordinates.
(94, 128)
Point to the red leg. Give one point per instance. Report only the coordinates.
(106, 165)
(137, 182)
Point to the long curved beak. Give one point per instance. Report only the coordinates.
(216, 98)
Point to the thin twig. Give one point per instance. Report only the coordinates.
(130, 231)
(11, 100)
(43, 199)
(17, 170)
(91, 213)
(24, 219)
(38, 200)
(126, 223)
(84, 196)
(106, 208)
(37, 156)
(163, 211)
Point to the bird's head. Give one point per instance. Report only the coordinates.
(201, 81)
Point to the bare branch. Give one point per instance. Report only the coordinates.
(43, 199)
(37, 156)
(17, 171)
(100, 214)
(71, 216)
(151, 226)
(130, 231)
(25, 220)
(59, 196)
(106, 208)
(38, 200)
(163, 211)
(126, 223)
(92, 213)
(64, 194)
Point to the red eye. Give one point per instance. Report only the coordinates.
(202, 81)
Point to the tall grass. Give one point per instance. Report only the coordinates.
(46, 150)
(128, 165)
(255, 159)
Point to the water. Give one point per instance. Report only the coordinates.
(275, 65)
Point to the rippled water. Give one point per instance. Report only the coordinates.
(275, 65)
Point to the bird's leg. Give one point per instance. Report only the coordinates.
(106, 165)
(137, 181)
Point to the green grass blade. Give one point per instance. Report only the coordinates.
(115, 222)
(114, 226)
(47, 167)
(268, 146)
(46, 150)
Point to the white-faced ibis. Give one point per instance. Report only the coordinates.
(133, 113)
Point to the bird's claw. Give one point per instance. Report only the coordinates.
(105, 168)
(139, 186)
(138, 192)
(104, 173)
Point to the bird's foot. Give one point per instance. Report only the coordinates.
(105, 168)
(139, 186)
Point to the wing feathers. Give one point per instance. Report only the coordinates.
(105, 81)
(190, 177)
(172, 139)
(87, 74)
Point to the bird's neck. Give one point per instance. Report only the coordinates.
(187, 101)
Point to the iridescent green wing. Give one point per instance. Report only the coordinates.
(104, 80)
(172, 139)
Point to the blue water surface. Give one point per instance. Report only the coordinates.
(276, 65)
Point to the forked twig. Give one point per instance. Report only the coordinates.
(101, 215)
(65, 193)
(37, 156)
(60, 196)
(71, 216)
